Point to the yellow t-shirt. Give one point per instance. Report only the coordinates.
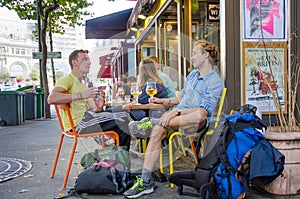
(78, 108)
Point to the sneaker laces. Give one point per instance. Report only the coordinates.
(144, 125)
(138, 182)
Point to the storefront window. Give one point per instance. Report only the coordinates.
(147, 45)
(206, 21)
(168, 42)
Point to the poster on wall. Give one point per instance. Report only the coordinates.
(264, 68)
(265, 19)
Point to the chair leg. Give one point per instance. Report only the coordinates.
(70, 163)
(171, 153)
(161, 163)
(181, 145)
(194, 149)
(57, 155)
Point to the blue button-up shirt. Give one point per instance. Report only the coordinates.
(202, 92)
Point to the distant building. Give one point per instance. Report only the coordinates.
(17, 43)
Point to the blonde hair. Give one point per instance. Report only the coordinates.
(153, 58)
(148, 71)
(212, 49)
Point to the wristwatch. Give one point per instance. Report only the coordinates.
(178, 111)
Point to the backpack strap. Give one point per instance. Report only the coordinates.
(223, 156)
(185, 193)
(71, 192)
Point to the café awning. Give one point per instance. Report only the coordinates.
(112, 26)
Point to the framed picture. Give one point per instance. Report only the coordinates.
(213, 12)
(264, 68)
(265, 20)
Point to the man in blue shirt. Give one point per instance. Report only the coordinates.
(194, 107)
(167, 81)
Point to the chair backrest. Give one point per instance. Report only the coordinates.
(66, 108)
(217, 118)
(221, 103)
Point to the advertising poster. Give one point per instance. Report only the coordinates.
(258, 78)
(265, 19)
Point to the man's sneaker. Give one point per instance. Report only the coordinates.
(141, 129)
(139, 188)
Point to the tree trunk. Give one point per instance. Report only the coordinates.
(44, 68)
(51, 49)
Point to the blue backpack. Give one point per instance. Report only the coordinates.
(240, 135)
(224, 156)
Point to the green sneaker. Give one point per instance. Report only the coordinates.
(139, 188)
(141, 129)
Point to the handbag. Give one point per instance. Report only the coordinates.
(103, 178)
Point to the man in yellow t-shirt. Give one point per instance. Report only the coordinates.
(86, 109)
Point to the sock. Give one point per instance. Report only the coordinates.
(154, 121)
(146, 175)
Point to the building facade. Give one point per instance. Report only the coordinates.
(251, 34)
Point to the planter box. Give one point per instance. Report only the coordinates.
(288, 144)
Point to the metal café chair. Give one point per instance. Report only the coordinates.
(74, 134)
(180, 134)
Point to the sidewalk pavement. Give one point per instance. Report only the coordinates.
(36, 141)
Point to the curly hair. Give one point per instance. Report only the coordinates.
(212, 49)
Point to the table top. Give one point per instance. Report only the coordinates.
(133, 106)
(116, 103)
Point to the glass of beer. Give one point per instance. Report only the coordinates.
(136, 91)
(151, 89)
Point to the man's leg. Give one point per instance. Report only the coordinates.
(144, 185)
(153, 151)
(124, 137)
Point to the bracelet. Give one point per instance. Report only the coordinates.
(80, 95)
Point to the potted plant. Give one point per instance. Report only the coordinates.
(284, 133)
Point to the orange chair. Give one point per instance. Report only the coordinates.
(73, 134)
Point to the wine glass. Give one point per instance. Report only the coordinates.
(135, 91)
(151, 89)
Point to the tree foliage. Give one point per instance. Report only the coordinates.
(58, 13)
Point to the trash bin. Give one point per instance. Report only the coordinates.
(11, 108)
(30, 108)
(40, 111)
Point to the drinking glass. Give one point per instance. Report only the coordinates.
(135, 91)
(151, 89)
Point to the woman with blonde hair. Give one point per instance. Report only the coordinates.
(148, 72)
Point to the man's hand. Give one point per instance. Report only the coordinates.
(99, 101)
(89, 92)
(165, 119)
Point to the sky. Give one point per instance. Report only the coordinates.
(104, 7)
(100, 8)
